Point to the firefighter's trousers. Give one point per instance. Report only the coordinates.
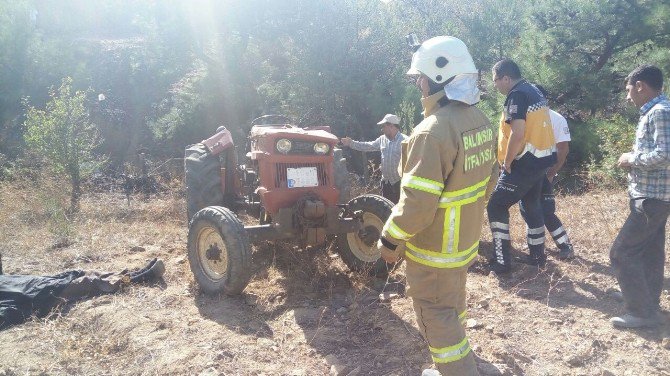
(438, 296)
(520, 185)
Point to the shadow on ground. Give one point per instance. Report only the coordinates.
(340, 315)
(551, 286)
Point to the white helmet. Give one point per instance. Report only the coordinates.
(442, 58)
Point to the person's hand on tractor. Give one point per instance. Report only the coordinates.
(346, 141)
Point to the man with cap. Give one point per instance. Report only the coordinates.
(389, 146)
(446, 164)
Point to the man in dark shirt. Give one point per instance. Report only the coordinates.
(526, 149)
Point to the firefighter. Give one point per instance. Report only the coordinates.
(446, 165)
(526, 149)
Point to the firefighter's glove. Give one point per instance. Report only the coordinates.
(390, 252)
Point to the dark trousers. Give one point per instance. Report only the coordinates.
(638, 255)
(391, 191)
(525, 186)
(551, 220)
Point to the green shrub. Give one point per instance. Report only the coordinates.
(615, 136)
(63, 133)
(59, 218)
(584, 144)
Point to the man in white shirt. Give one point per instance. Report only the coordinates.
(389, 146)
(551, 221)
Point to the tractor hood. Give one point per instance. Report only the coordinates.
(317, 134)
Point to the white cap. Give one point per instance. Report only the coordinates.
(390, 118)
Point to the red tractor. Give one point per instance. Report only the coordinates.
(294, 183)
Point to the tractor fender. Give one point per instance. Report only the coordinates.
(221, 141)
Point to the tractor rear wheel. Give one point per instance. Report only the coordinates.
(359, 249)
(202, 172)
(218, 251)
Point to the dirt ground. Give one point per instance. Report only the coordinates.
(304, 313)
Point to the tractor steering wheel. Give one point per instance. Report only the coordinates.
(271, 120)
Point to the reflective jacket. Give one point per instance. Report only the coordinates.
(539, 144)
(446, 165)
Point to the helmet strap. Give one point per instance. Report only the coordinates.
(434, 88)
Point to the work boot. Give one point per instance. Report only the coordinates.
(151, 272)
(499, 268)
(566, 252)
(537, 259)
(631, 321)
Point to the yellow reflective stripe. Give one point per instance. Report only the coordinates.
(465, 195)
(451, 353)
(445, 232)
(457, 230)
(476, 196)
(451, 201)
(462, 316)
(452, 219)
(423, 184)
(467, 189)
(439, 259)
(396, 231)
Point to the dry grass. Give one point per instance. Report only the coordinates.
(303, 304)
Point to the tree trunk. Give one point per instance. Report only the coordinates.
(607, 53)
(75, 181)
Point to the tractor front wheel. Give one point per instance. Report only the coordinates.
(359, 249)
(218, 251)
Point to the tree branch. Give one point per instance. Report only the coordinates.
(651, 37)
